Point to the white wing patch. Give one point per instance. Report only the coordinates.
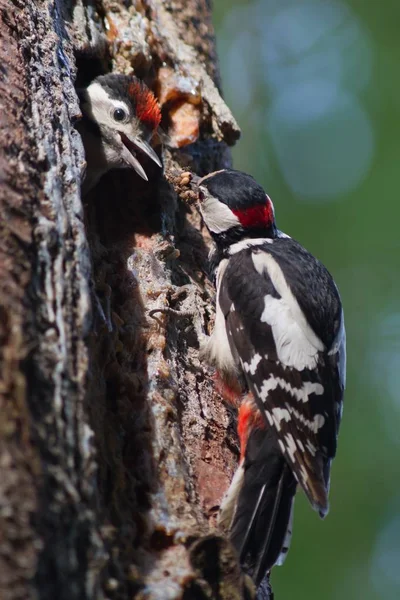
(296, 343)
(293, 347)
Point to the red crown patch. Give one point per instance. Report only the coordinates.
(147, 108)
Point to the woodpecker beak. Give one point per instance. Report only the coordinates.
(130, 146)
(201, 190)
(148, 150)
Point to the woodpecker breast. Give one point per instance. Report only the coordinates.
(216, 350)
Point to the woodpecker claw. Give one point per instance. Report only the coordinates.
(171, 311)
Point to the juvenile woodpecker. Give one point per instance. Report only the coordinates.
(279, 344)
(120, 117)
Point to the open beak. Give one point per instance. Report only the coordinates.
(130, 147)
(148, 150)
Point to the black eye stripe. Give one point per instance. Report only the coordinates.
(119, 114)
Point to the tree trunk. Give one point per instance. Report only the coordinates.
(115, 449)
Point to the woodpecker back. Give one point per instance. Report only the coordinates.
(279, 328)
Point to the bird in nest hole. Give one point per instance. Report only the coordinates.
(120, 119)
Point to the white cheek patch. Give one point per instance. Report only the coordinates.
(101, 106)
(217, 216)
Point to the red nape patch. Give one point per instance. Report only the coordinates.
(147, 108)
(260, 215)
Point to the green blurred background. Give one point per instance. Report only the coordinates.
(314, 85)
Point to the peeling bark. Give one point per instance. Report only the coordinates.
(115, 449)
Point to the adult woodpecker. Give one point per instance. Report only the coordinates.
(120, 117)
(278, 340)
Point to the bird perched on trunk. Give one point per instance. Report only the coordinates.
(278, 344)
(120, 117)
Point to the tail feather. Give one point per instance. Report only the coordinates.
(263, 555)
(316, 484)
(263, 506)
(288, 538)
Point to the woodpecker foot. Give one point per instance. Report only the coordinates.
(103, 307)
(171, 311)
(190, 311)
(165, 250)
(183, 289)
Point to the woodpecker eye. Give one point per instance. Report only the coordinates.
(201, 195)
(119, 114)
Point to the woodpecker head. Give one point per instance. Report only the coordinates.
(120, 116)
(234, 207)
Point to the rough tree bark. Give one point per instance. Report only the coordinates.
(114, 449)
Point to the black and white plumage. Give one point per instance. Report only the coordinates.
(279, 329)
(120, 116)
